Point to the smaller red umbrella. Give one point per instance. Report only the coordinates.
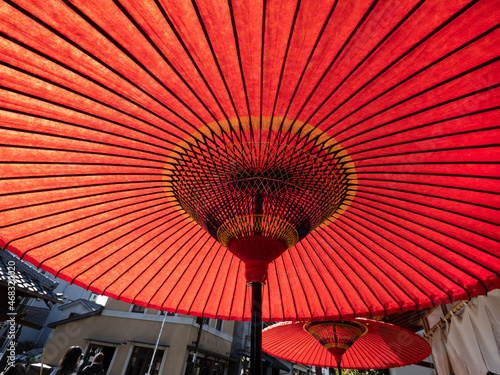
(355, 344)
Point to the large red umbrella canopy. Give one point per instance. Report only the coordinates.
(113, 111)
(383, 346)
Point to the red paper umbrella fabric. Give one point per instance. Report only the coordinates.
(139, 139)
(383, 346)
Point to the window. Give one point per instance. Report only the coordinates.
(140, 360)
(218, 324)
(138, 309)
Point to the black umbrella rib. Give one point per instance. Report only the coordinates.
(373, 50)
(432, 174)
(359, 200)
(443, 198)
(353, 268)
(88, 98)
(359, 168)
(322, 234)
(94, 130)
(188, 53)
(162, 252)
(298, 348)
(209, 270)
(413, 48)
(289, 287)
(193, 250)
(383, 259)
(285, 57)
(306, 65)
(163, 223)
(239, 265)
(263, 44)
(161, 168)
(486, 110)
(80, 163)
(88, 78)
(83, 140)
(60, 35)
(133, 58)
(432, 185)
(46, 229)
(302, 288)
(86, 114)
(95, 195)
(80, 175)
(278, 288)
(436, 122)
(227, 254)
(327, 70)
(409, 265)
(214, 55)
(242, 73)
(428, 239)
(446, 102)
(96, 250)
(87, 228)
(79, 187)
(102, 202)
(388, 135)
(313, 249)
(470, 94)
(430, 206)
(387, 357)
(158, 50)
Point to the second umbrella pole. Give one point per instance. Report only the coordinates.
(256, 330)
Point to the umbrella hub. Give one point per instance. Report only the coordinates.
(256, 252)
(336, 336)
(261, 193)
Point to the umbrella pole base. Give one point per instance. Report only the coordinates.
(256, 330)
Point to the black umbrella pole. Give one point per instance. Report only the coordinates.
(256, 330)
(339, 370)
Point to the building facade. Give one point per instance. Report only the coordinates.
(128, 335)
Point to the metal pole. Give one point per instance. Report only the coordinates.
(338, 369)
(41, 361)
(256, 330)
(156, 346)
(196, 346)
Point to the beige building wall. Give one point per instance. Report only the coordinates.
(118, 326)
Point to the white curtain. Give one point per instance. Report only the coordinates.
(439, 352)
(456, 360)
(471, 341)
(463, 338)
(485, 317)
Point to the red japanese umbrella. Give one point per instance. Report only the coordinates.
(355, 344)
(345, 152)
